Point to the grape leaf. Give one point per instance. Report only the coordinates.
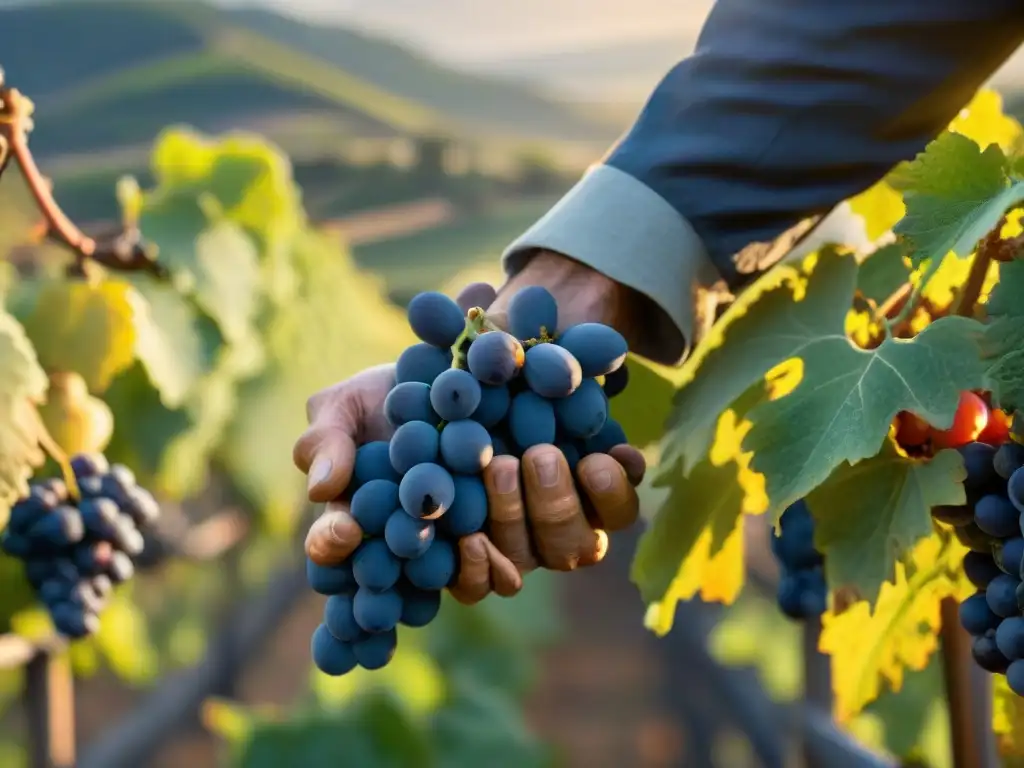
(1007, 718)
(869, 515)
(847, 397)
(955, 194)
(870, 648)
(880, 206)
(984, 121)
(1004, 337)
(644, 407)
(769, 323)
(882, 273)
(694, 545)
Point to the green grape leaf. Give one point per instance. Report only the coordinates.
(955, 194)
(644, 407)
(882, 273)
(870, 515)
(847, 397)
(1004, 338)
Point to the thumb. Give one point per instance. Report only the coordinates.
(328, 453)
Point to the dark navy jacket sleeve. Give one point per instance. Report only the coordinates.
(785, 108)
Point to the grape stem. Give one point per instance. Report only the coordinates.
(56, 453)
(477, 322)
(123, 251)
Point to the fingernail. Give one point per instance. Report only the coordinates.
(600, 480)
(334, 532)
(546, 467)
(505, 480)
(320, 471)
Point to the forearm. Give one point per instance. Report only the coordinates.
(784, 110)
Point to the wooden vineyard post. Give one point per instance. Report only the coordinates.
(50, 710)
(817, 680)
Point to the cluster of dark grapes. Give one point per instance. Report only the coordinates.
(466, 393)
(991, 524)
(76, 551)
(802, 592)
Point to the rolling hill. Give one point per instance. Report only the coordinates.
(106, 74)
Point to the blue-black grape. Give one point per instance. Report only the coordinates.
(1001, 595)
(972, 537)
(611, 434)
(419, 606)
(987, 655)
(409, 401)
(1015, 676)
(468, 512)
(408, 537)
(600, 349)
(89, 465)
(436, 319)
(340, 619)
(583, 414)
(330, 579)
(551, 371)
(376, 651)
(980, 569)
(615, 383)
(1015, 489)
(466, 446)
(377, 611)
(532, 313)
(794, 546)
(978, 462)
(415, 442)
(372, 505)
(426, 491)
(960, 514)
(531, 420)
(1010, 638)
(330, 655)
(996, 516)
(435, 569)
(494, 403)
(571, 453)
(1008, 459)
(99, 516)
(374, 566)
(803, 594)
(1009, 555)
(373, 463)
(422, 362)
(455, 394)
(72, 621)
(495, 357)
(976, 616)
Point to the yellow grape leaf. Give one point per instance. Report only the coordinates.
(880, 206)
(870, 649)
(1007, 718)
(695, 543)
(86, 328)
(984, 121)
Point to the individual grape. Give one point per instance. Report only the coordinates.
(794, 546)
(408, 537)
(997, 430)
(455, 394)
(421, 362)
(978, 461)
(1001, 595)
(1009, 555)
(91, 560)
(89, 465)
(532, 313)
(435, 569)
(121, 567)
(600, 349)
(339, 617)
(1008, 459)
(960, 514)
(377, 611)
(1015, 677)
(611, 434)
(494, 403)
(980, 569)
(583, 413)
(468, 512)
(996, 516)
(24, 513)
(73, 622)
(551, 371)
(415, 442)
(409, 401)
(972, 537)
(63, 526)
(1015, 489)
(615, 383)
(419, 606)
(376, 651)
(330, 655)
(375, 566)
(426, 491)
(802, 595)
(969, 421)
(99, 516)
(476, 295)
(141, 506)
(976, 616)
(987, 655)
(436, 319)
(466, 446)
(372, 505)
(1010, 638)
(16, 545)
(495, 357)
(127, 536)
(531, 420)
(330, 579)
(911, 431)
(373, 462)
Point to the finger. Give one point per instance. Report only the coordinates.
(632, 461)
(476, 295)
(333, 536)
(506, 579)
(561, 534)
(327, 454)
(606, 485)
(595, 555)
(474, 580)
(507, 513)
